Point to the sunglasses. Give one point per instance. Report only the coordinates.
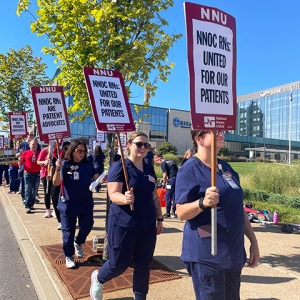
(218, 132)
(79, 151)
(140, 145)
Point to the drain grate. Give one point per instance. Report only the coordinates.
(78, 280)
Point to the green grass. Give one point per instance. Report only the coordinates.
(276, 178)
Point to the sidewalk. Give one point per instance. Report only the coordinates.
(277, 276)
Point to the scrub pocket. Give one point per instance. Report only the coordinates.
(204, 231)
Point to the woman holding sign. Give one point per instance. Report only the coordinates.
(75, 200)
(214, 277)
(131, 233)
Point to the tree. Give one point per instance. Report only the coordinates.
(223, 152)
(166, 148)
(19, 70)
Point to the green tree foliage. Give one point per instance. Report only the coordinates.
(123, 35)
(19, 70)
(223, 152)
(166, 148)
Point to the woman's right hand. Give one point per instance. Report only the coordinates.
(211, 196)
(129, 196)
(58, 164)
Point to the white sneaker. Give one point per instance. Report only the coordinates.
(53, 214)
(78, 250)
(173, 215)
(48, 213)
(96, 287)
(70, 263)
(59, 226)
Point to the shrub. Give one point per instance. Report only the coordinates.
(166, 148)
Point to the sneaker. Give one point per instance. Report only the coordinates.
(78, 250)
(18, 192)
(47, 213)
(11, 192)
(173, 215)
(28, 210)
(96, 287)
(70, 263)
(32, 208)
(59, 227)
(53, 214)
(7, 185)
(167, 215)
(36, 200)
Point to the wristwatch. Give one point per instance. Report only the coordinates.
(160, 219)
(200, 203)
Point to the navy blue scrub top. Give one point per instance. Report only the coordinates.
(78, 197)
(193, 178)
(98, 161)
(143, 184)
(169, 167)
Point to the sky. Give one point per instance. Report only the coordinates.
(268, 43)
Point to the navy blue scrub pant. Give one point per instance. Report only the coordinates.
(170, 196)
(68, 225)
(127, 245)
(211, 283)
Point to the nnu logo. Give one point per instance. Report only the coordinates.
(209, 122)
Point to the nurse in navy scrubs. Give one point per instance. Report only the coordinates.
(214, 277)
(131, 233)
(77, 201)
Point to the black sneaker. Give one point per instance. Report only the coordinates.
(167, 215)
(36, 200)
(28, 210)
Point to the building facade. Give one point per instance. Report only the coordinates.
(267, 124)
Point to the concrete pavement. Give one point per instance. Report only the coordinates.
(276, 277)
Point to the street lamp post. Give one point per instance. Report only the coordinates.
(264, 143)
(290, 129)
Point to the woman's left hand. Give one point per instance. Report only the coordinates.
(159, 227)
(254, 255)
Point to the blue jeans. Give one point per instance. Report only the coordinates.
(31, 182)
(4, 168)
(14, 180)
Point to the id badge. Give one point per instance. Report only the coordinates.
(76, 176)
(231, 182)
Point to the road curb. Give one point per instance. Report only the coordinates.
(41, 279)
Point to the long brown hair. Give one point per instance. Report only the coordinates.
(194, 134)
(69, 154)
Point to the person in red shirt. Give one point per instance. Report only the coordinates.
(44, 162)
(31, 174)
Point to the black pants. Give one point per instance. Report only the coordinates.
(54, 195)
(47, 184)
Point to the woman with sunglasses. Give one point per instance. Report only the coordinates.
(214, 277)
(75, 200)
(131, 233)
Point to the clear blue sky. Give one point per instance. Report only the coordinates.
(268, 43)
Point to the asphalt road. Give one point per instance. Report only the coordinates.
(15, 282)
